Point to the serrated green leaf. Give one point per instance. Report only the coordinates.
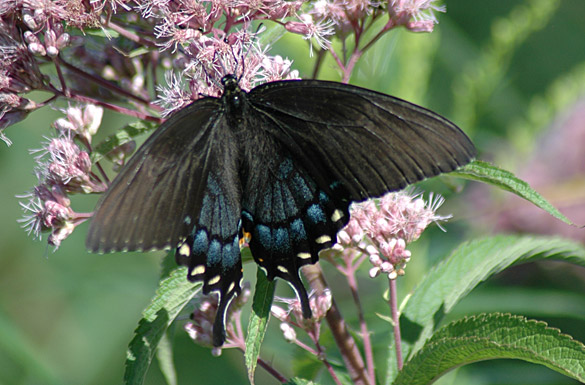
(493, 336)
(470, 264)
(490, 174)
(124, 135)
(173, 293)
(263, 295)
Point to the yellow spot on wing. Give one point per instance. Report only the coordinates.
(185, 250)
(304, 255)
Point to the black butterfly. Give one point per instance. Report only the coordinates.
(278, 166)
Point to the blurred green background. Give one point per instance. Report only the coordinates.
(510, 73)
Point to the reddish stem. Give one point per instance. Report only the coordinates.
(345, 342)
(352, 282)
(396, 322)
(104, 83)
(322, 357)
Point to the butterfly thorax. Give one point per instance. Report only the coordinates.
(233, 99)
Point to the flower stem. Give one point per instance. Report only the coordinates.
(396, 322)
(352, 282)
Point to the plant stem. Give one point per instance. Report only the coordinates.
(345, 342)
(352, 282)
(330, 369)
(106, 84)
(396, 322)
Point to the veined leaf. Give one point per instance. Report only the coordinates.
(492, 336)
(263, 295)
(173, 294)
(490, 174)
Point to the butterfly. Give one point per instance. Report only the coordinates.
(278, 167)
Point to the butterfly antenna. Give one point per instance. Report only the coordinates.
(246, 47)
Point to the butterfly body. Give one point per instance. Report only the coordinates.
(279, 166)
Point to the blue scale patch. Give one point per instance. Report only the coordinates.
(281, 240)
(285, 168)
(264, 236)
(200, 242)
(230, 254)
(214, 253)
(213, 185)
(323, 198)
(316, 214)
(298, 232)
(302, 191)
(205, 215)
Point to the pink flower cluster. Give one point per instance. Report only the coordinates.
(292, 317)
(62, 168)
(200, 327)
(383, 229)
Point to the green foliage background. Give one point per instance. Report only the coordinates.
(502, 70)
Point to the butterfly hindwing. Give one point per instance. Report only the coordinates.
(290, 218)
(212, 251)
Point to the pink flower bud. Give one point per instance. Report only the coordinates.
(37, 49)
(52, 51)
(374, 272)
(297, 27)
(63, 41)
(289, 333)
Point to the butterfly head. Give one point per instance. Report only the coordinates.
(230, 84)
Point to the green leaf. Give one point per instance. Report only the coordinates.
(300, 381)
(470, 264)
(164, 356)
(173, 293)
(107, 33)
(493, 336)
(263, 295)
(490, 174)
(124, 135)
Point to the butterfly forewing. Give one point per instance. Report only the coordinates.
(371, 142)
(147, 204)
